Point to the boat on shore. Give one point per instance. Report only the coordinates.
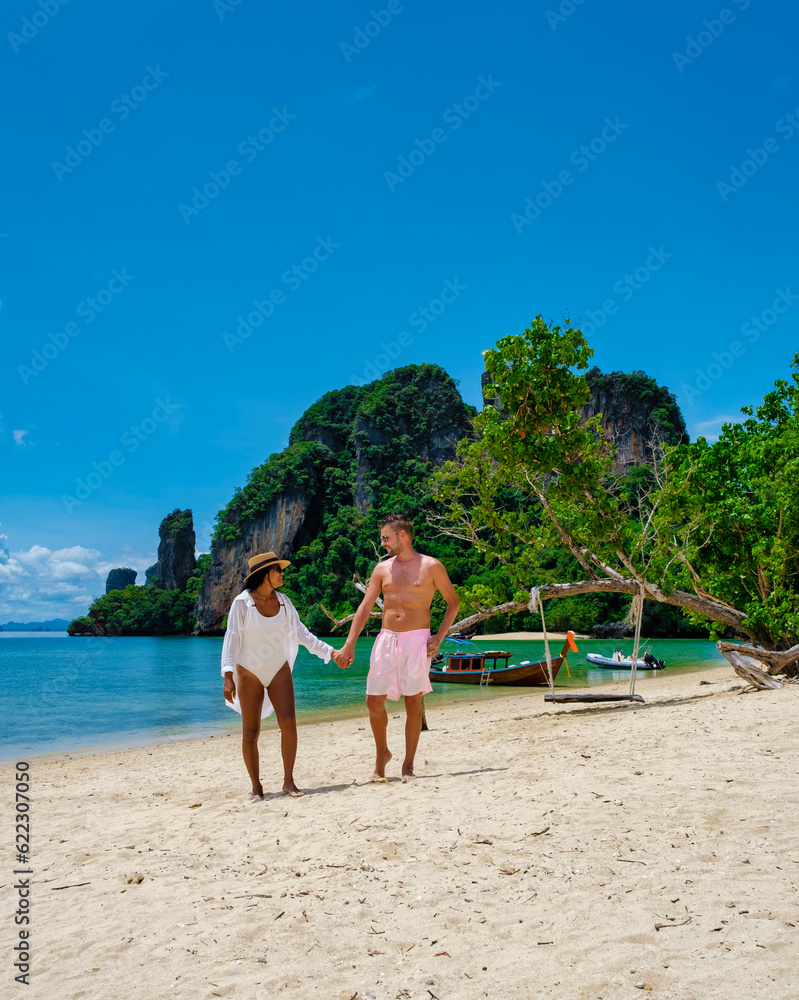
(645, 662)
(470, 667)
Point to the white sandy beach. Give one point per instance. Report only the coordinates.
(536, 855)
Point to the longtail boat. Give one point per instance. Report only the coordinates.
(471, 668)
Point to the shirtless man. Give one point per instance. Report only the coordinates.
(400, 662)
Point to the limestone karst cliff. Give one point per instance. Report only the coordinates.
(176, 558)
(274, 530)
(638, 415)
(118, 579)
(356, 454)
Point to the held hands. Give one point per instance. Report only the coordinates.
(343, 657)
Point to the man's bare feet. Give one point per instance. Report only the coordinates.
(257, 796)
(407, 774)
(289, 788)
(380, 766)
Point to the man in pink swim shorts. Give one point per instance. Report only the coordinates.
(400, 661)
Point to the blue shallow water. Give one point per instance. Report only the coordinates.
(62, 693)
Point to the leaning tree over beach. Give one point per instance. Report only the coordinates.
(712, 528)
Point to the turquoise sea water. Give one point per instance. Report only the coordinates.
(63, 693)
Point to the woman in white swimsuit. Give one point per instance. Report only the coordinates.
(261, 643)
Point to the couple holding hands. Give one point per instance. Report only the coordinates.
(264, 633)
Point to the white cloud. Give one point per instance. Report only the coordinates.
(41, 583)
(711, 429)
(18, 436)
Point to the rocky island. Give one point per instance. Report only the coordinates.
(355, 455)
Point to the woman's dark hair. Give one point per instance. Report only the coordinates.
(259, 576)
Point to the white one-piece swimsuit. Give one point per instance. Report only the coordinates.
(263, 650)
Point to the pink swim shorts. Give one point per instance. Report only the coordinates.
(399, 664)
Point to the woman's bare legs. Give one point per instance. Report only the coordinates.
(251, 698)
(281, 694)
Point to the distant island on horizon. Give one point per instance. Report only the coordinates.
(53, 625)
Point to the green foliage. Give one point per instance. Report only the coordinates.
(329, 420)
(732, 508)
(297, 468)
(719, 519)
(194, 582)
(535, 459)
(145, 610)
(178, 520)
(138, 611)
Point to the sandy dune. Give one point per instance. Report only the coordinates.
(536, 856)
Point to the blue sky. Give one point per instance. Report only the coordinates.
(169, 166)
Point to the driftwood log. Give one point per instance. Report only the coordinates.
(776, 661)
(757, 680)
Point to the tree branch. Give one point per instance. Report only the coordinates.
(567, 541)
(347, 618)
(713, 610)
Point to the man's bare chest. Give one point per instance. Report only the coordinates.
(408, 580)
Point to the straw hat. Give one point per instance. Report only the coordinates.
(262, 560)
